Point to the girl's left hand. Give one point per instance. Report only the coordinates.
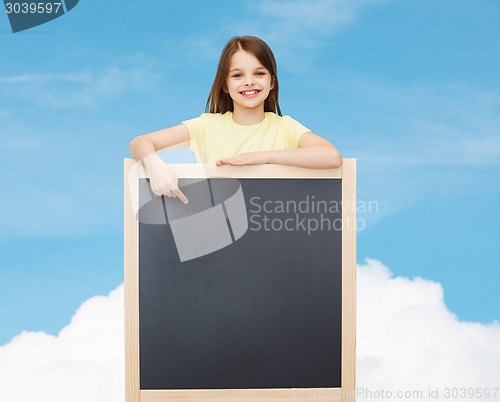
(247, 158)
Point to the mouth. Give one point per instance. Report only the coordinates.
(250, 93)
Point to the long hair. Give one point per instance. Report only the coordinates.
(219, 101)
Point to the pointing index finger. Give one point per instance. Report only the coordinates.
(178, 193)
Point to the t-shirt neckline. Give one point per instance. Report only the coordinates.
(242, 126)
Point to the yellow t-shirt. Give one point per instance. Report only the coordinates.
(215, 136)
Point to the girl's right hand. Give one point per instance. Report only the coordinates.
(163, 179)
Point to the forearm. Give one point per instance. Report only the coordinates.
(168, 138)
(315, 157)
(141, 147)
(144, 151)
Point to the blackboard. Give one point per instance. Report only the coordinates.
(264, 312)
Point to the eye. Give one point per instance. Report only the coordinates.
(236, 75)
(260, 73)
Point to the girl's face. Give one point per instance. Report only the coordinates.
(248, 82)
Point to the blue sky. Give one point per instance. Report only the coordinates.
(409, 88)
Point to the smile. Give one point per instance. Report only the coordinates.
(250, 93)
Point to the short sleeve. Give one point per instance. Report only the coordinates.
(197, 132)
(293, 132)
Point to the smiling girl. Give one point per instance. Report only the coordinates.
(243, 124)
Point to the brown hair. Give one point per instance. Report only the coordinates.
(220, 101)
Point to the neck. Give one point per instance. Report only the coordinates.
(248, 117)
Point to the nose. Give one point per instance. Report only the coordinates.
(249, 80)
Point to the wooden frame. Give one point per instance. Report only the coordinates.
(133, 393)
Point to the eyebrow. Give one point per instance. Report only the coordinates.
(258, 68)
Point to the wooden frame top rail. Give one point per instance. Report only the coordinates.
(192, 170)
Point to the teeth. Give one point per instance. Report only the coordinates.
(249, 92)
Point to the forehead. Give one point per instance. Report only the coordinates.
(243, 60)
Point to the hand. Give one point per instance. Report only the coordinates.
(164, 181)
(247, 158)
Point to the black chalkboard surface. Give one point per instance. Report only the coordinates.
(263, 312)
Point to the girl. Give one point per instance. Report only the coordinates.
(243, 124)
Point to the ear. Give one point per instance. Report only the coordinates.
(273, 79)
(224, 88)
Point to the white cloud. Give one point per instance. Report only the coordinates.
(330, 15)
(83, 88)
(298, 30)
(447, 125)
(407, 341)
(292, 28)
(84, 361)
(411, 141)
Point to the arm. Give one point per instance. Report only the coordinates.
(313, 152)
(162, 177)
